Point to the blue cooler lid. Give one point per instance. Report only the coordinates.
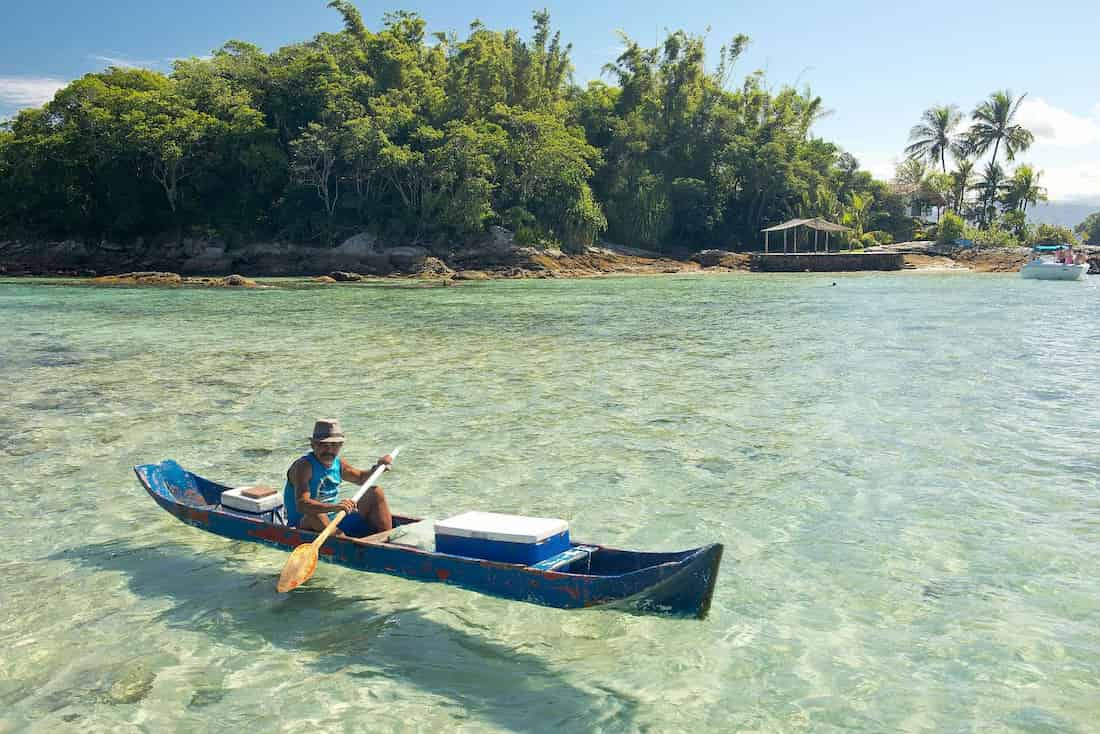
(504, 528)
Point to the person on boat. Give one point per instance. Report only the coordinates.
(312, 487)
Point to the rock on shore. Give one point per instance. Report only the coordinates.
(496, 255)
(175, 279)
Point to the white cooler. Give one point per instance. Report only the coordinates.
(235, 498)
(495, 537)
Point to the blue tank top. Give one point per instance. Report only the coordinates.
(324, 485)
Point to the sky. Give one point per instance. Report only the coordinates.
(876, 66)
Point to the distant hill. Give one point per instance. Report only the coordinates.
(1066, 213)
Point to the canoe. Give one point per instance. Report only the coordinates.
(583, 576)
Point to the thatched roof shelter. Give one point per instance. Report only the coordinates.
(817, 224)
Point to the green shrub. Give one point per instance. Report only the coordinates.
(951, 228)
(1052, 233)
(1089, 229)
(995, 236)
(1016, 222)
(524, 225)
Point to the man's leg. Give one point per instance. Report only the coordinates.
(375, 510)
(317, 523)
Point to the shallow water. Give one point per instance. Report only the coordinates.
(902, 467)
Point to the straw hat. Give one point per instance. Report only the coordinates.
(327, 430)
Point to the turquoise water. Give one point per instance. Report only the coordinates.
(902, 467)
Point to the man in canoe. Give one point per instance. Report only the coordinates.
(313, 482)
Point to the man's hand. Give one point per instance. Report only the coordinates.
(385, 461)
(348, 506)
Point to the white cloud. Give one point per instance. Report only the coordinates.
(124, 63)
(1072, 181)
(880, 165)
(1058, 127)
(28, 91)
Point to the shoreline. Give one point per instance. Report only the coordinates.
(320, 267)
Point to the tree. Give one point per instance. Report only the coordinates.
(950, 228)
(460, 186)
(437, 138)
(1090, 229)
(935, 135)
(1023, 189)
(857, 215)
(173, 136)
(961, 178)
(353, 21)
(1016, 222)
(910, 172)
(545, 169)
(937, 188)
(992, 186)
(360, 145)
(314, 158)
(994, 123)
(1052, 234)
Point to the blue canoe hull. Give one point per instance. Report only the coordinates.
(677, 583)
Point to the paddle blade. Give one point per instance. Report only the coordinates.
(299, 567)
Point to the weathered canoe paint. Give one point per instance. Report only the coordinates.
(678, 583)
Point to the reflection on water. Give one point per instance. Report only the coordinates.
(901, 468)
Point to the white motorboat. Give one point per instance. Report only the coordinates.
(1053, 271)
(1045, 265)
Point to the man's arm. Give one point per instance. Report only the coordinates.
(360, 476)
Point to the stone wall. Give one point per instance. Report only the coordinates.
(361, 253)
(821, 263)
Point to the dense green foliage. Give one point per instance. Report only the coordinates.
(1052, 233)
(1090, 229)
(429, 139)
(951, 228)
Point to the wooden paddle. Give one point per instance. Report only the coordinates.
(303, 561)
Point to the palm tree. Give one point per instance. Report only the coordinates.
(857, 216)
(1024, 189)
(994, 123)
(962, 175)
(992, 186)
(934, 136)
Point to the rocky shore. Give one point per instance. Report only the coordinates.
(202, 263)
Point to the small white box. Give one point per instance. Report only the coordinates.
(233, 498)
